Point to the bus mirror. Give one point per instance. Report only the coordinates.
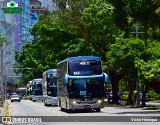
(66, 79)
(105, 78)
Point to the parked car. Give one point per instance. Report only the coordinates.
(15, 98)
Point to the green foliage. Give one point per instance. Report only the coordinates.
(51, 44)
(92, 20)
(153, 95)
(2, 40)
(148, 71)
(124, 96)
(91, 27)
(127, 13)
(123, 54)
(100, 31)
(148, 65)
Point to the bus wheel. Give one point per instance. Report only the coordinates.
(69, 110)
(62, 109)
(44, 102)
(98, 110)
(59, 103)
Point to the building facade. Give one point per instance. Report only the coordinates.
(48, 5)
(16, 27)
(7, 29)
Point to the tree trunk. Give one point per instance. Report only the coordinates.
(143, 99)
(131, 89)
(146, 29)
(146, 89)
(113, 79)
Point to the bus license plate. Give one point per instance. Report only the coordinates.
(87, 107)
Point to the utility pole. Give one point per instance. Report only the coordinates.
(137, 28)
(137, 84)
(1, 71)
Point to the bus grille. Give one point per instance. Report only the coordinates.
(86, 102)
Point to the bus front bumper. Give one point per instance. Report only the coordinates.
(37, 98)
(85, 105)
(52, 101)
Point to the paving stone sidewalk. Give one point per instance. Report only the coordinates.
(4, 108)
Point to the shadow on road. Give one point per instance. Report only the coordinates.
(139, 112)
(81, 111)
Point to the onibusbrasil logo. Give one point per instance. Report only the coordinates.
(12, 7)
(12, 4)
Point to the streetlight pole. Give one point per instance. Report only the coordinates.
(9, 56)
(11, 46)
(1, 60)
(13, 26)
(137, 103)
(4, 70)
(14, 37)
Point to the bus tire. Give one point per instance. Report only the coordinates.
(66, 107)
(45, 104)
(59, 103)
(69, 110)
(62, 109)
(98, 110)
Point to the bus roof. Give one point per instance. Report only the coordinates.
(51, 71)
(21, 88)
(81, 58)
(37, 80)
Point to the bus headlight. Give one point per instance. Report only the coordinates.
(74, 102)
(99, 101)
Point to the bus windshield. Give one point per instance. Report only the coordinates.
(37, 86)
(52, 91)
(51, 78)
(88, 67)
(52, 85)
(81, 88)
(37, 92)
(21, 92)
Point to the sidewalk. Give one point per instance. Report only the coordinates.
(4, 110)
(151, 105)
(154, 104)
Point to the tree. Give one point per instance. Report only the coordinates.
(134, 60)
(52, 43)
(122, 56)
(143, 12)
(92, 20)
(148, 68)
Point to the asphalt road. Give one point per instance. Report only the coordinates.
(32, 111)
